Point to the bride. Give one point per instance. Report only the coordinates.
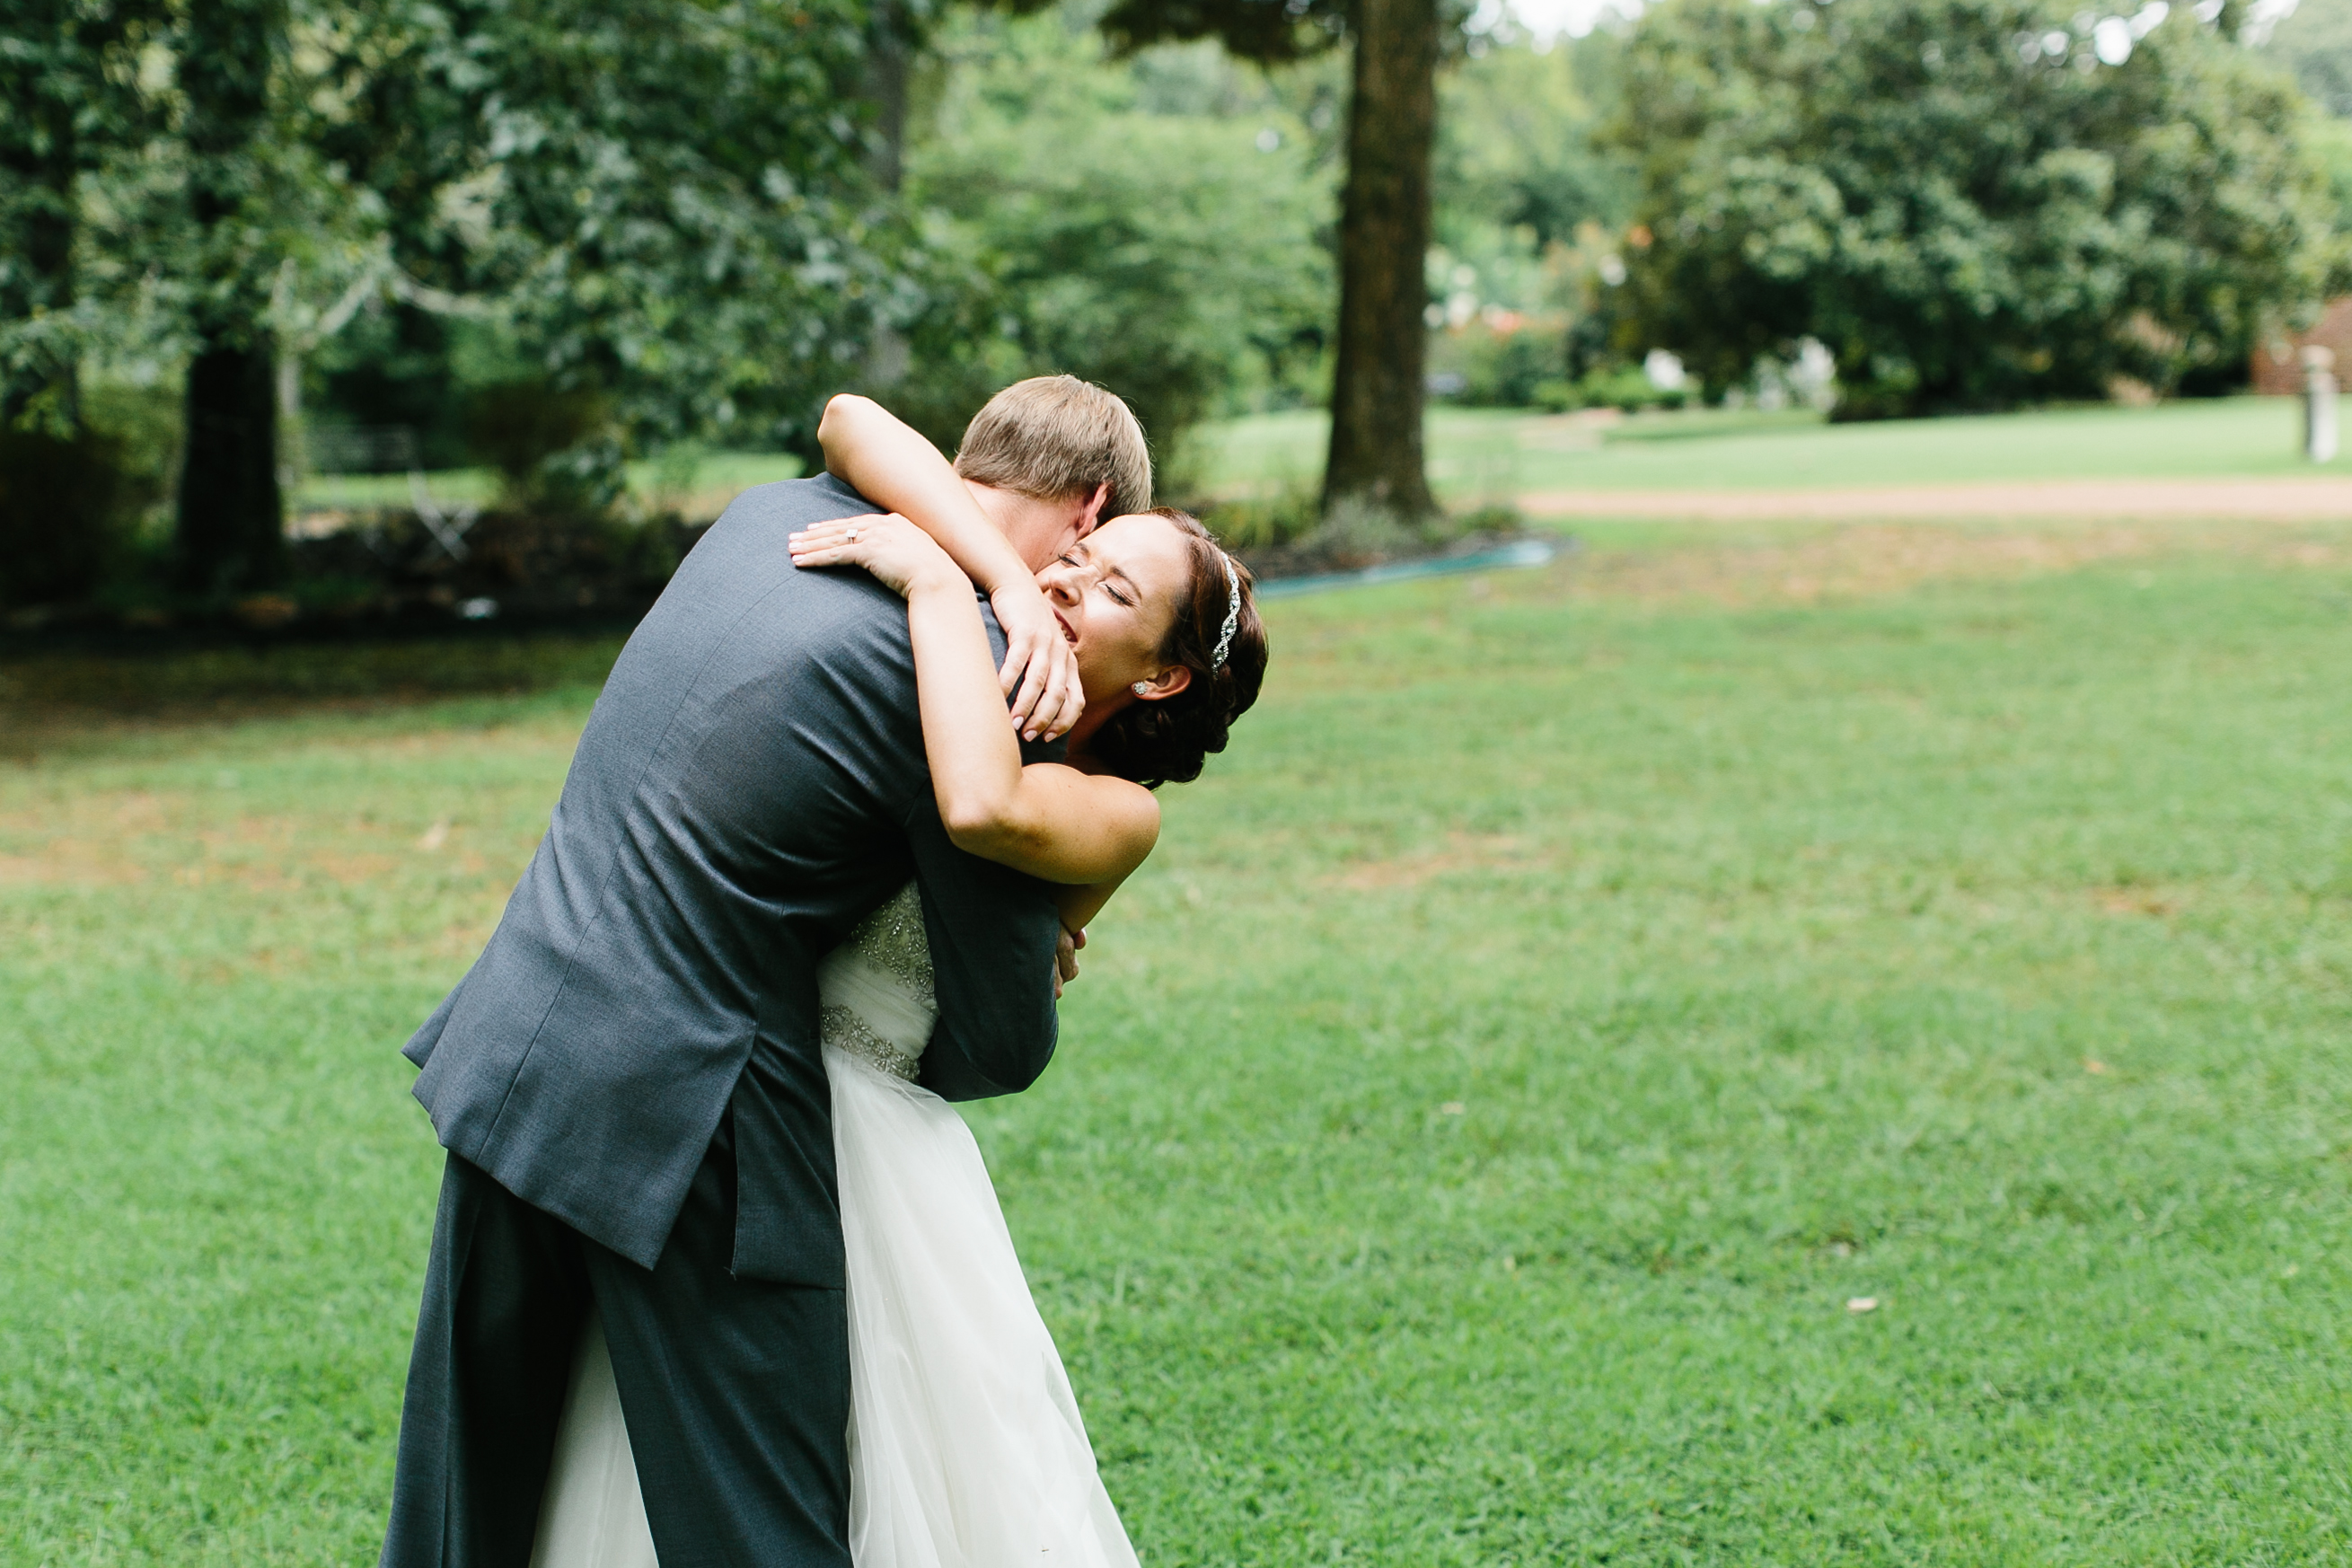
(965, 1445)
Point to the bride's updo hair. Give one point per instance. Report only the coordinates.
(1165, 740)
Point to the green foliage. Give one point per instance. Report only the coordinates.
(1964, 219)
(1525, 196)
(1527, 204)
(1267, 517)
(1470, 1127)
(1167, 256)
(1287, 532)
(544, 443)
(1251, 30)
(146, 423)
(669, 203)
(2329, 142)
(1515, 146)
(71, 101)
(1622, 387)
(1484, 366)
(656, 200)
(655, 203)
(72, 507)
(394, 365)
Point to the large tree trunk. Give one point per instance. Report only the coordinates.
(1384, 233)
(889, 71)
(231, 532)
(231, 527)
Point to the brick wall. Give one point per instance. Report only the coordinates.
(2278, 364)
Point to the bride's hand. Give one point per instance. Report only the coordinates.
(900, 555)
(1039, 658)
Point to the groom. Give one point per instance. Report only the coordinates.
(629, 1080)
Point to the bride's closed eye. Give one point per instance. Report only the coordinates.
(1118, 596)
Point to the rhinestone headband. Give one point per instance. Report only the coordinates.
(1233, 614)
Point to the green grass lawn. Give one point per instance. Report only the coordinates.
(1573, 991)
(1476, 454)
(698, 484)
(1482, 455)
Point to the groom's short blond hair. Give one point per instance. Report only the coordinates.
(1052, 436)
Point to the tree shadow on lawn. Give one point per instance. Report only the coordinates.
(65, 697)
(69, 700)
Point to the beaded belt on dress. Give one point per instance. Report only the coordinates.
(842, 1027)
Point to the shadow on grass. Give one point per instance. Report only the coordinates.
(48, 698)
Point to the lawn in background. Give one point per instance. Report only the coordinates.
(1477, 1133)
(1484, 455)
(1478, 456)
(691, 481)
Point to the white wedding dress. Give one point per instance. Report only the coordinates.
(965, 1445)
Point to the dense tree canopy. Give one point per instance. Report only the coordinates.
(1131, 223)
(1968, 204)
(668, 195)
(71, 103)
(642, 220)
(657, 207)
(70, 99)
(652, 208)
(1515, 146)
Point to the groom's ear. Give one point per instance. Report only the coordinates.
(1090, 511)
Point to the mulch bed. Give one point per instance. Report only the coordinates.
(384, 575)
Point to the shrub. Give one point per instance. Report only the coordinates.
(1266, 521)
(1625, 387)
(1288, 534)
(555, 452)
(1499, 366)
(61, 515)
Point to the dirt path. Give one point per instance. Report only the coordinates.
(2246, 500)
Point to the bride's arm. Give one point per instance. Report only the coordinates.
(1079, 905)
(1046, 819)
(888, 461)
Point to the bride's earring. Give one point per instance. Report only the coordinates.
(1141, 689)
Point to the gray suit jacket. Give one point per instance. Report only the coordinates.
(751, 783)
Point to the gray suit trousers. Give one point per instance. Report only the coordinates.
(736, 1390)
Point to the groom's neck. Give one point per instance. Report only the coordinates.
(1037, 529)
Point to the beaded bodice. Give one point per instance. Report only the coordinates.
(875, 992)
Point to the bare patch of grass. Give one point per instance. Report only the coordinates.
(1857, 561)
(1820, 565)
(1460, 853)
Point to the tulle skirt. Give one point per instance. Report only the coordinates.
(966, 1449)
(594, 1515)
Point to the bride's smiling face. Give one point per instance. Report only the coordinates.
(1116, 592)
